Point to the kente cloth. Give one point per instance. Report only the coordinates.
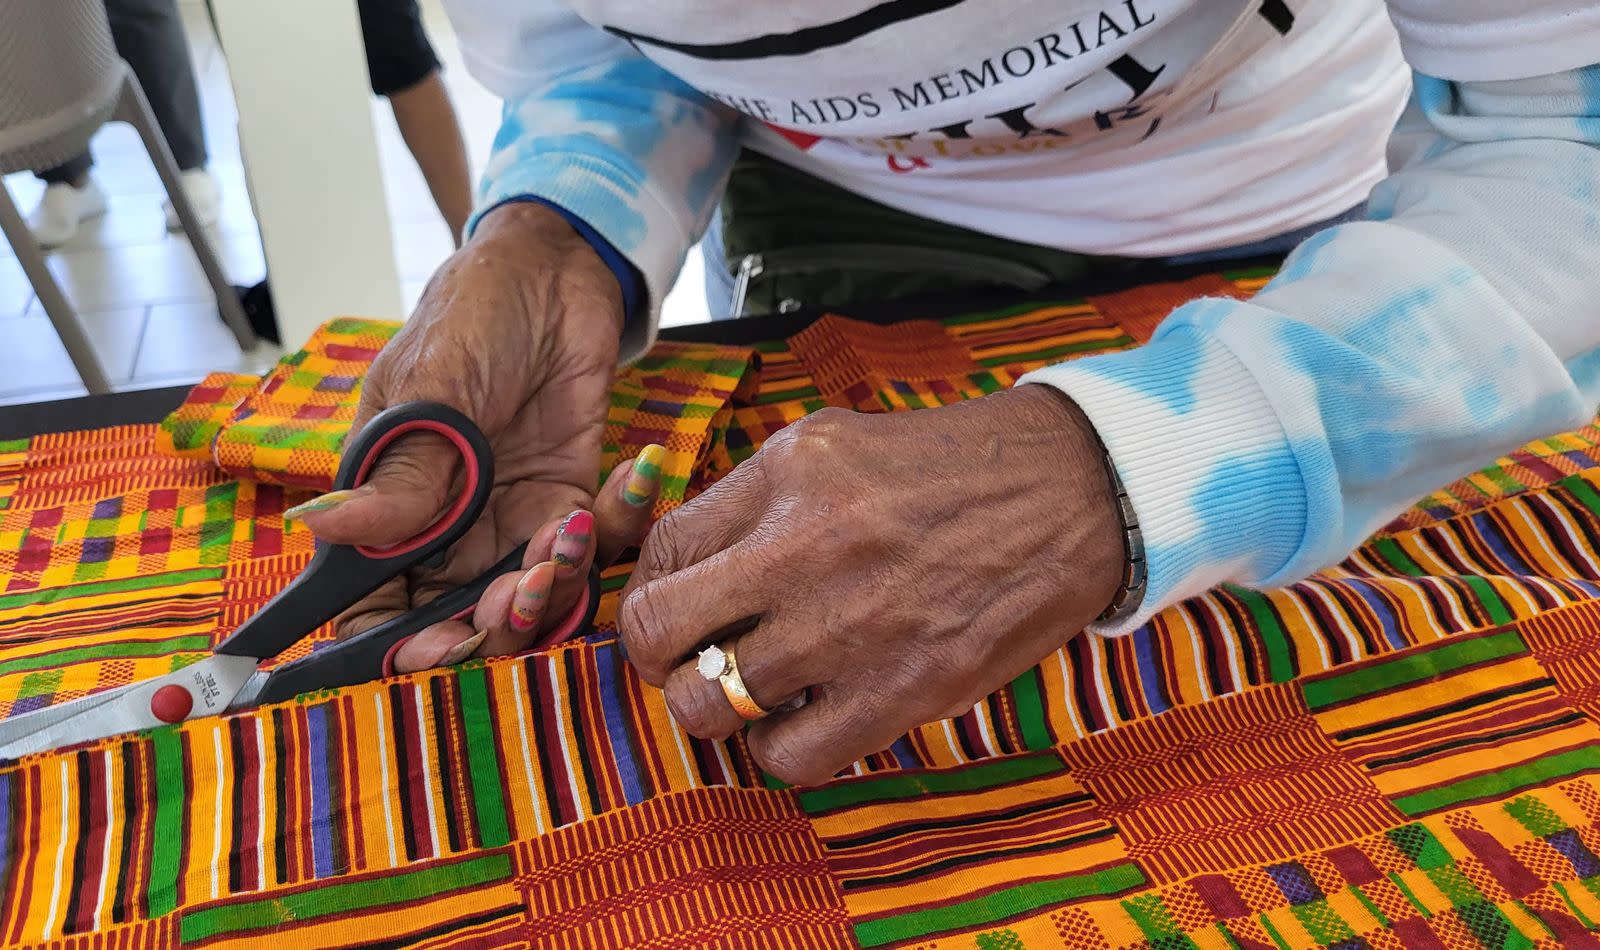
(1402, 751)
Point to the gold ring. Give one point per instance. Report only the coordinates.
(719, 663)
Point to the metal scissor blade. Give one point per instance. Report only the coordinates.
(211, 684)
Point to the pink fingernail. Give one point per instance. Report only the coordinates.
(572, 540)
(533, 590)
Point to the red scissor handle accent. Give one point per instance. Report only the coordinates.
(457, 508)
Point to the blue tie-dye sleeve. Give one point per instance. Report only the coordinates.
(595, 128)
(1262, 441)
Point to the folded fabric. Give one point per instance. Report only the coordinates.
(288, 427)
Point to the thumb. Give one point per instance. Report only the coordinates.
(406, 491)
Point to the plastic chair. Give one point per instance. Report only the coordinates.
(60, 80)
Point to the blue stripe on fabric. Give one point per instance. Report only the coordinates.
(608, 661)
(321, 806)
(1386, 617)
(1149, 674)
(1490, 533)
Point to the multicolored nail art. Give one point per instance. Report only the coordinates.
(326, 502)
(533, 590)
(646, 475)
(572, 540)
(464, 649)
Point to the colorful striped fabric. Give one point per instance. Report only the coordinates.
(1403, 751)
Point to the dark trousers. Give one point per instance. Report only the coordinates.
(149, 35)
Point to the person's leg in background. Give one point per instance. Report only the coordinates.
(149, 35)
(71, 197)
(404, 69)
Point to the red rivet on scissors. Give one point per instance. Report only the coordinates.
(171, 703)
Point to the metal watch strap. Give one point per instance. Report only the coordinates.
(1135, 576)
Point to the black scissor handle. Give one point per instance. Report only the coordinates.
(339, 576)
(363, 657)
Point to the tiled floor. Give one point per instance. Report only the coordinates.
(141, 291)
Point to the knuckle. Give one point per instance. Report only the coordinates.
(644, 634)
(658, 556)
(695, 708)
(784, 757)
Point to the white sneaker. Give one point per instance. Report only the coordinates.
(62, 210)
(200, 186)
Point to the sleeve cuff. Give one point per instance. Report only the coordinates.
(628, 277)
(1212, 477)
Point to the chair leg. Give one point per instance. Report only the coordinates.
(61, 313)
(133, 109)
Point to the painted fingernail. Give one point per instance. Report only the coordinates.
(464, 649)
(572, 540)
(527, 604)
(646, 475)
(326, 502)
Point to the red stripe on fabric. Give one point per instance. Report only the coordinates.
(249, 819)
(94, 865)
(352, 741)
(31, 801)
(566, 809)
(417, 792)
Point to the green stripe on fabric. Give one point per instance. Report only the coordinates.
(1272, 932)
(1493, 603)
(1398, 559)
(985, 382)
(216, 534)
(997, 906)
(1030, 711)
(54, 594)
(1583, 491)
(44, 683)
(105, 651)
(1373, 909)
(13, 445)
(1156, 923)
(1322, 922)
(802, 392)
(1064, 349)
(1399, 882)
(1016, 310)
(609, 585)
(1280, 656)
(166, 844)
(1417, 667)
(1227, 935)
(1251, 273)
(1501, 781)
(970, 779)
(483, 757)
(1540, 819)
(1582, 917)
(339, 898)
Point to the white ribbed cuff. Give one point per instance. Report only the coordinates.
(1212, 478)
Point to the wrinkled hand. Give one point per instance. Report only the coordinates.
(893, 569)
(518, 330)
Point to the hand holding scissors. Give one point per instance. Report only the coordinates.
(337, 577)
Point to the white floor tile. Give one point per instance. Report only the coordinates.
(37, 363)
(105, 278)
(185, 341)
(15, 291)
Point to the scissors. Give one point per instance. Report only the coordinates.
(337, 578)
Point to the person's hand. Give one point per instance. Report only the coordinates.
(518, 330)
(891, 569)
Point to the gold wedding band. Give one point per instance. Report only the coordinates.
(717, 662)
